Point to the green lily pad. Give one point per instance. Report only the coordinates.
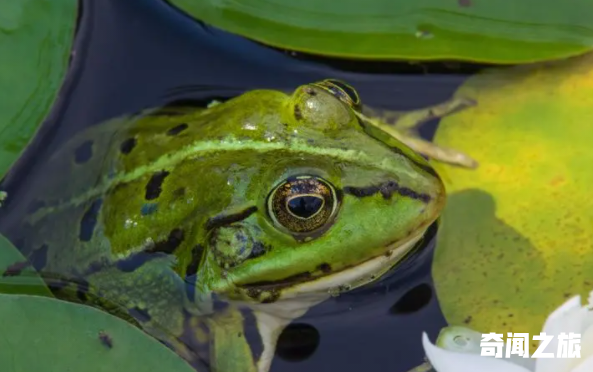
(27, 282)
(516, 238)
(45, 334)
(502, 31)
(35, 41)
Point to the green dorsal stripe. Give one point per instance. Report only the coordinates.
(391, 164)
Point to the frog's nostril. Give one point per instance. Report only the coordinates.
(310, 91)
(297, 342)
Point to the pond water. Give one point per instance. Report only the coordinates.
(130, 55)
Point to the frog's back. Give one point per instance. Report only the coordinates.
(129, 184)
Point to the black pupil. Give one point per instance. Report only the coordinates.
(305, 206)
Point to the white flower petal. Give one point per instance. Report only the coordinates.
(587, 343)
(569, 317)
(586, 350)
(585, 366)
(466, 340)
(587, 330)
(460, 339)
(450, 361)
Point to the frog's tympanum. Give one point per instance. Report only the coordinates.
(199, 224)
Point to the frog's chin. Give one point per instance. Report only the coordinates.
(294, 301)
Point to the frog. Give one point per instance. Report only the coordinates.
(211, 229)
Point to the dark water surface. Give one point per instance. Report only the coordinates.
(133, 54)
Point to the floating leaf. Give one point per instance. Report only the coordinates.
(517, 233)
(35, 42)
(27, 281)
(503, 31)
(44, 334)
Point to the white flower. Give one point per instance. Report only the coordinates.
(461, 353)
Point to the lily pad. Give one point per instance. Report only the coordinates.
(517, 234)
(27, 282)
(45, 334)
(35, 41)
(502, 31)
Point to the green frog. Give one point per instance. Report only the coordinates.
(211, 229)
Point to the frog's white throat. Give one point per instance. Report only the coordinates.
(295, 301)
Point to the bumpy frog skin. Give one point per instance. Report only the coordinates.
(203, 223)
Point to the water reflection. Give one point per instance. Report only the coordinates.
(162, 57)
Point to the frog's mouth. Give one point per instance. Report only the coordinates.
(300, 295)
(293, 300)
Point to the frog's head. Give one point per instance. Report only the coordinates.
(328, 208)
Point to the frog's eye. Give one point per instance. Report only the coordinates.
(303, 204)
(342, 91)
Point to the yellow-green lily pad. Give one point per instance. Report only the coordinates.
(27, 281)
(45, 334)
(516, 237)
(498, 31)
(35, 42)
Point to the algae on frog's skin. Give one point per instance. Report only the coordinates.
(234, 179)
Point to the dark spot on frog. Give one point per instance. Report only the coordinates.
(227, 219)
(148, 208)
(191, 270)
(387, 189)
(271, 296)
(253, 293)
(158, 250)
(168, 246)
(95, 267)
(38, 257)
(297, 342)
(139, 314)
(467, 320)
(106, 339)
(464, 3)
(82, 289)
(325, 267)
(177, 129)
(258, 249)
(15, 269)
(290, 280)
(128, 145)
(89, 220)
(297, 113)
(135, 261)
(35, 205)
(310, 141)
(196, 257)
(179, 193)
(413, 300)
(154, 185)
(266, 296)
(218, 305)
(84, 152)
(252, 334)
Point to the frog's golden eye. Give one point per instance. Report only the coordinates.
(303, 204)
(343, 92)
